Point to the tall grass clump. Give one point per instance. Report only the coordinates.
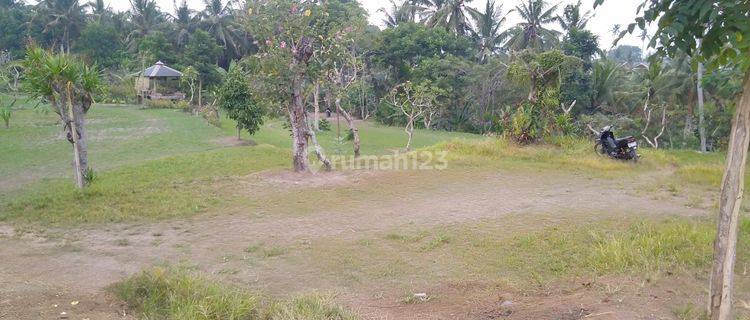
(310, 307)
(176, 293)
(653, 247)
(163, 293)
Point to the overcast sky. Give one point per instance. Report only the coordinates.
(606, 16)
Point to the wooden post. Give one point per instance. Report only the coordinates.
(74, 134)
(732, 189)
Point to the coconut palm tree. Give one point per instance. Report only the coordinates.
(572, 17)
(404, 12)
(605, 77)
(62, 19)
(145, 17)
(532, 33)
(99, 10)
(218, 20)
(184, 22)
(487, 29)
(450, 14)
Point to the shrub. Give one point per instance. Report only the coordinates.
(167, 104)
(175, 294)
(324, 125)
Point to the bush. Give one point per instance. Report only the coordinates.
(167, 104)
(324, 125)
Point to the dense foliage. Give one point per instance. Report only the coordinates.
(487, 72)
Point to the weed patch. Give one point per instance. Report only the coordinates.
(174, 293)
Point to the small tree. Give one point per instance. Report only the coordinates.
(235, 97)
(189, 79)
(68, 84)
(415, 101)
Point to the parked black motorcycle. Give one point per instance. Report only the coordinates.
(624, 149)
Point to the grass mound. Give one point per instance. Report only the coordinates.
(169, 293)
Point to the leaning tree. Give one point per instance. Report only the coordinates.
(68, 84)
(717, 33)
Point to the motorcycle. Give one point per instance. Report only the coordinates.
(623, 149)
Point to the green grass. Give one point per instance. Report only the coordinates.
(150, 164)
(376, 139)
(158, 189)
(493, 251)
(173, 293)
(34, 147)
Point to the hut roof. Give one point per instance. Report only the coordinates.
(159, 70)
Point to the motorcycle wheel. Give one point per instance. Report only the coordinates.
(599, 148)
(634, 155)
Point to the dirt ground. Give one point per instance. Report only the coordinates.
(44, 274)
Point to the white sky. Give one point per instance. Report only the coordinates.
(606, 16)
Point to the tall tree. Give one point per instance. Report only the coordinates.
(145, 18)
(721, 26)
(184, 23)
(63, 19)
(452, 15)
(487, 31)
(397, 14)
(219, 21)
(573, 19)
(296, 38)
(531, 32)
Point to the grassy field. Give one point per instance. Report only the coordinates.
(150, 163)
(157, 165)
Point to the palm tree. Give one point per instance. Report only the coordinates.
(99, 10)
(531, 32)
(145, 17)
(63, 19)
(219, 21)
(450, 14)
(487, 31)
(401, 13)
(184, 22)
(605, 77)
(572, 17)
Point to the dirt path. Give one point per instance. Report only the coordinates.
(40, 277)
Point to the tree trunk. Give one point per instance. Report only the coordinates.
(298, 122)
(200, 96)
(352, 127)
(410, 132)
(76, 130)
(533, 91)
(319, 151)
(239, 133)
(316, 106)
(701, 123)
(732, 188)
